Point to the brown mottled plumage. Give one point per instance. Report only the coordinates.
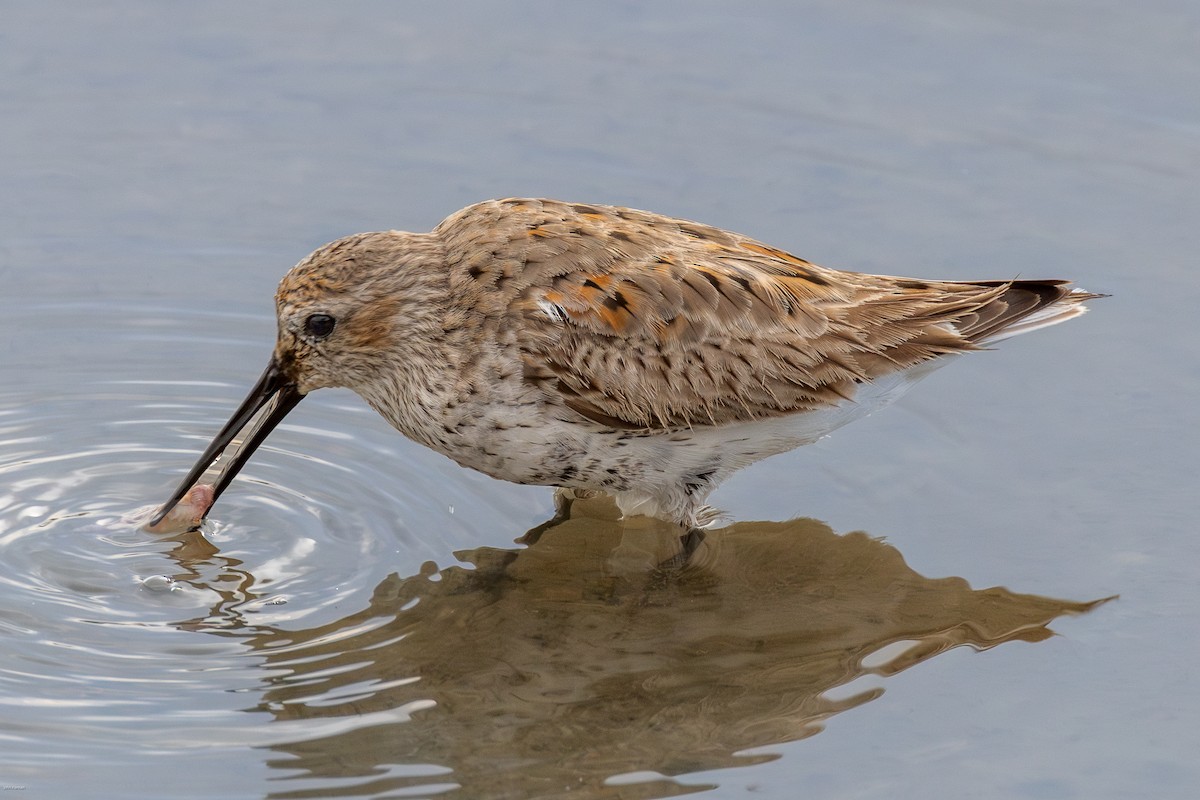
(602, 348)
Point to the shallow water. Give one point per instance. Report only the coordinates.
(361, 617)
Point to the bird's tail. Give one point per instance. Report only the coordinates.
(1022, 306)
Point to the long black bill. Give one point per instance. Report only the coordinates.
(268, 402)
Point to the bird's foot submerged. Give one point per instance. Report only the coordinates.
(684, 511)
(598, 505)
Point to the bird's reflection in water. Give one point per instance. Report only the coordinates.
(591, 654)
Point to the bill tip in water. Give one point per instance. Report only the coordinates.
(185, 515)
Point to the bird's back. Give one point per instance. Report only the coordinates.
(637, 320)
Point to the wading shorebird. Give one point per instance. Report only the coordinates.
(605, 349)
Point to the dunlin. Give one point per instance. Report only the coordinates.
(599, 348)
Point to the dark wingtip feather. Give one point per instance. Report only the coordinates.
(1031, 301)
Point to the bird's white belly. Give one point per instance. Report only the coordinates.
(651, 473)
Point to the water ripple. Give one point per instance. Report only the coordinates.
(99, 617)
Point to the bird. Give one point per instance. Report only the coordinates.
(597, 348)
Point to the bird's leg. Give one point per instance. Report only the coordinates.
(689, 542)
(563, 500)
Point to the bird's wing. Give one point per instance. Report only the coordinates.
(637, 320)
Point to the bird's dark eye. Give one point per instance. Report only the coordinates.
(319, 326)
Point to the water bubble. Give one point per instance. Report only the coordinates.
(159, 583)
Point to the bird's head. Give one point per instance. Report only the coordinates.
(345, 314)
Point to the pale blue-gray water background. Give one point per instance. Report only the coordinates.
(356, 618)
